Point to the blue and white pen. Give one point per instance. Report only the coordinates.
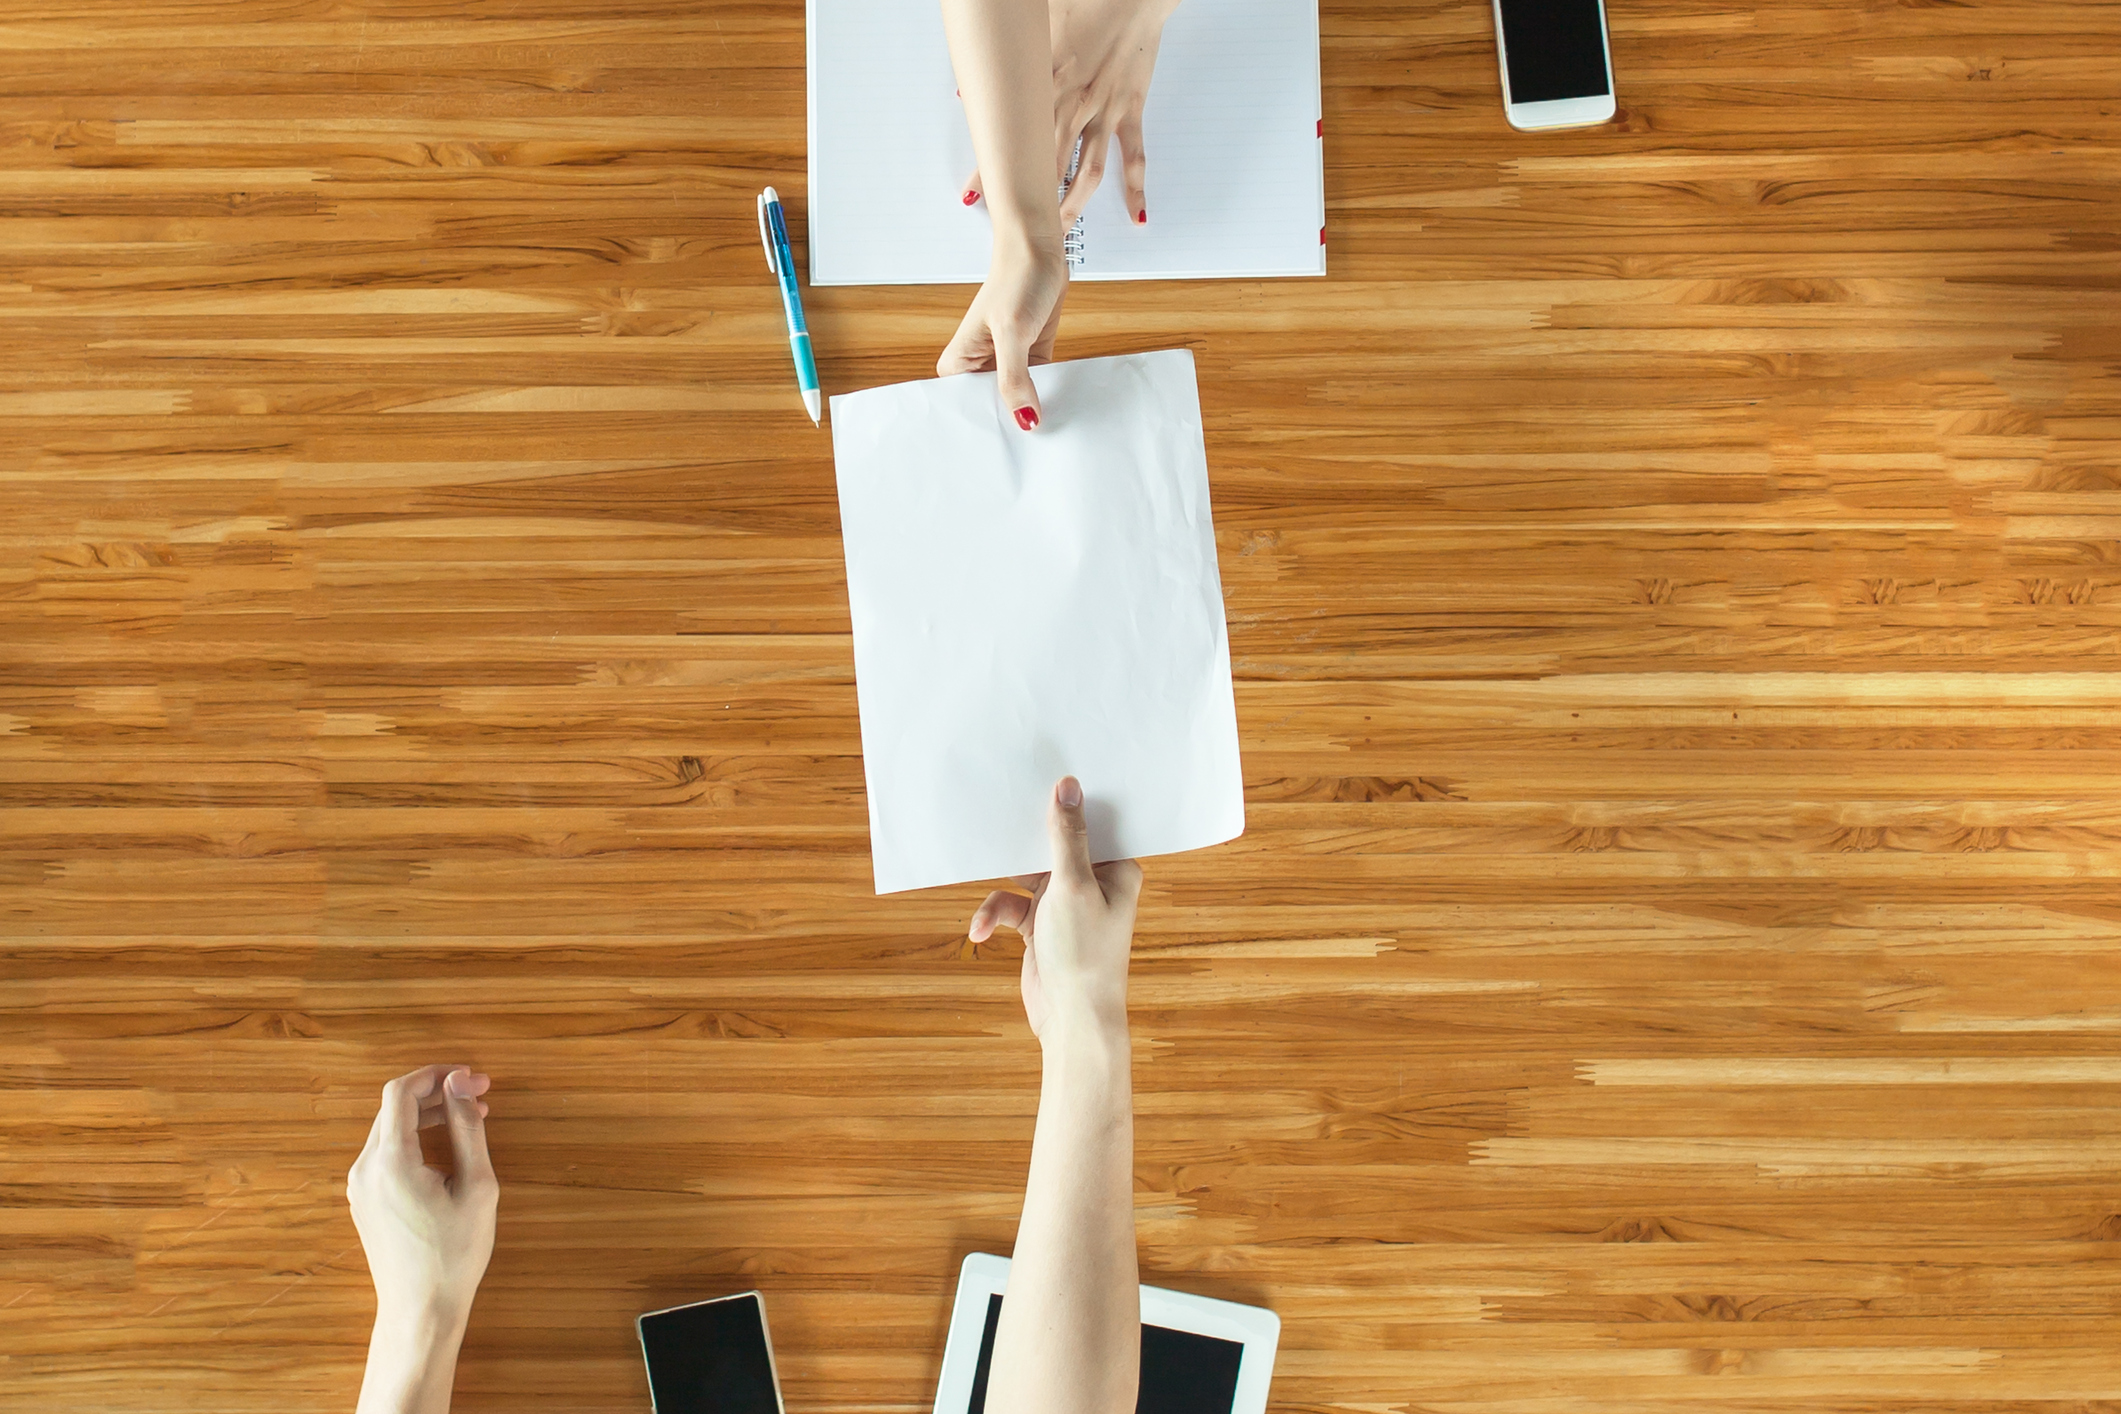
(773, 230)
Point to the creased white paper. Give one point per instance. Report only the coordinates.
(1033, 605)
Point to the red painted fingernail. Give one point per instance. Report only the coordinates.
(970, 197)
(1141, 217)
(1026, 418)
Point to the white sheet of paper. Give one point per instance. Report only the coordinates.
(1033, 605)
(1236, 184)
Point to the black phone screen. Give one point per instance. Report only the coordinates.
(1182, 1373)
(1554, 49)
(710, 1359)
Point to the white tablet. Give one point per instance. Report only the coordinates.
(1199, 1355)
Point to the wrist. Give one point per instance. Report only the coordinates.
(1149, 18)
(412, 1357)
(1144, 26)
(420, 1323)
(1026, 225)
(1091, 1030)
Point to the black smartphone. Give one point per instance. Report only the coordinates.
(712, 1357)
(1557, 71)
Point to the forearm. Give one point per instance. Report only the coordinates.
(1069, 1341)
(412, 1363)
(1002, 53)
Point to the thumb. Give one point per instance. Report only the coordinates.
(1070, 833)
(1012, 367)
(467, 1130)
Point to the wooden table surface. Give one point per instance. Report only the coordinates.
(1674, 581)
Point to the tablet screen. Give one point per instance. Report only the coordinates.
(1182, 1373)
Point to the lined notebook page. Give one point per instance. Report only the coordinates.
(1236, 172)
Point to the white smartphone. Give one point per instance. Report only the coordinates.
(1557, 71)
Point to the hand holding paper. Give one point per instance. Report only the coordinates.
(1031, 607)
(998, 48)
(1075, 965)
(1011, 325)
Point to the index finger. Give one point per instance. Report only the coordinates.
(1089, 172)
(1134, 163)
(398, 1117)
(1067, 138)
(971, 348)
(1121, 880)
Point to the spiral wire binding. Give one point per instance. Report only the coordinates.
(1072, 242)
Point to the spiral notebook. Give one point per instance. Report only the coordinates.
(1236, 184)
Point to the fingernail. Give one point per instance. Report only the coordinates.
(1141, 217)
(1069, 793)
(970, 197)
(1027, 418)
(459, 1083)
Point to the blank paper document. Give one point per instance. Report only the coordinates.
(1236, 184)
(1033, 605)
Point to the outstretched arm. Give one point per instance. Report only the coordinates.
(1001, 50)
(1069, 1341)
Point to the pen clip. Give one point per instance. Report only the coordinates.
(773, 263)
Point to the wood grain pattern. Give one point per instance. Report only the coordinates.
(1676, 606)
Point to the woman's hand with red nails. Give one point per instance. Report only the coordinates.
(998, 51)
(1011, 323)
(1104, 56)
(1077, 925)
